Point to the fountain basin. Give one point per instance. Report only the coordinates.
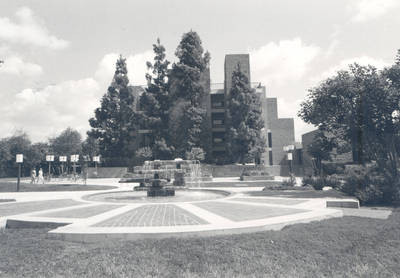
(181, 195)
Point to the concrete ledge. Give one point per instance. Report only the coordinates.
(342, 204)
(256, 178)
(23, 224)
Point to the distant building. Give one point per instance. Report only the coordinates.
(279, 132)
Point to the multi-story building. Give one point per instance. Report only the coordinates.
(279, 132)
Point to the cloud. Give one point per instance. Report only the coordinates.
(136, 67)
(286, 60)
(29, 30)
(48, 111)
(15, 65)
(344, 65)
(45, 112)
(370, 9)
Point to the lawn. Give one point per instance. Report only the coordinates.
(340, 247)
(8, 186)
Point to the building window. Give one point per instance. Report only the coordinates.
(218, 122)
(271, 162)
(269, 139)
(218, 104)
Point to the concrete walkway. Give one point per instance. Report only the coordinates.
(85, 220)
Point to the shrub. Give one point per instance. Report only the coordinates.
(331, 168)
(371, 186)
(290, 182)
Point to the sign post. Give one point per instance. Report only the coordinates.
(49, 159)
(62, 159)
(96, 160)
(19, 159)
(74, 159)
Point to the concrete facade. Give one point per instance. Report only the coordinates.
(279, 132)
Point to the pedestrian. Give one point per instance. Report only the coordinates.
(40, 176)
(33, 175)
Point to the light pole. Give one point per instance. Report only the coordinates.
(19, 158)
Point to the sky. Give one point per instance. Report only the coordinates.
(59, 56)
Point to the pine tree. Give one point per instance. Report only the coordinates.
(245, 141)
(114, 124)
(188, 84)
(154, 104)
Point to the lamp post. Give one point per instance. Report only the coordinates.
(49, 159)
(19, 158)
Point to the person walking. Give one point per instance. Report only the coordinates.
(33, 176)
(40, 176)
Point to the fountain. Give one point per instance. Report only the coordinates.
(181, 172)
(158, 189)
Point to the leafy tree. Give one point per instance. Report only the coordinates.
(90, 147)
(244, 138)
(69, 142)
(188, 83)
(196, 154)
(115, 121)
(356, 106)
(154, 104)
(362, 107)
(320, 149)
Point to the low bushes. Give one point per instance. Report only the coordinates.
(370, 186)
(318, 183)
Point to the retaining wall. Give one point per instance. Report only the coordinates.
(107, 172)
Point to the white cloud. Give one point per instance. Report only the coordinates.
(48, 111)
(45, 112)
(370, 9)
(344, 65)
(17, 66)
(136, 67)
(287, 60)
(27, 29)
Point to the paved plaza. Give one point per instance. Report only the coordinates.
(82, 216)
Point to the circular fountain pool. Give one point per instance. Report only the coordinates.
(181, 195)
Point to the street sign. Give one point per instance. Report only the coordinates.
(19, 158)
(49, 158)
(290, 156)
(62, 159)
(96, 158)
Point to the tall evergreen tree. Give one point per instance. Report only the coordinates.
(245, 140)
(188, 82)
(154, 104)
(115, 121)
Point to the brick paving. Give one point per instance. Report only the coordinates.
(80, 212)
(153, 215)
(26, 207)
(241, 212)
(287, 202)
